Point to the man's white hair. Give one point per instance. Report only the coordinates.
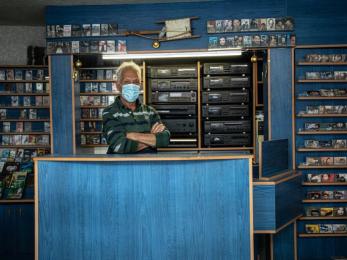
(128, 65)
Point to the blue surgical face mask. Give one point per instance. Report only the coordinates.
(130, 92)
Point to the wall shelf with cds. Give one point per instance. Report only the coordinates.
(25, 107)
(97, 90)
(321, 138)
(25, 132)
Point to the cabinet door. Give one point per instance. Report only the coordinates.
(2, 230)
(25, 231)
(17, 232)
(8, 227)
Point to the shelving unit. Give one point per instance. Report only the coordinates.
(324, 184)
(322, 149)
(97, 89)
(302, 87)
(17, 215)
(324, 201)
(24, 89)
(91, 127)
(322, 235)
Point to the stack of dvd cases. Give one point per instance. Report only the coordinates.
(226, 108)
(173, 93)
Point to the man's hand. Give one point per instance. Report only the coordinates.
(157, 128)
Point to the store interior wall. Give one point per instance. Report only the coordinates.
(15, 40)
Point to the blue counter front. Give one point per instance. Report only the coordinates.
(159, 206)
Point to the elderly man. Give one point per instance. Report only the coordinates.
(128, 125)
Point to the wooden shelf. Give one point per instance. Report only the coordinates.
(226, 148)
(24, 66)
(321, 81)
(322, 218)
(99, 93)
(323, 167)
(26, 120)
(322, 98)
(324, 183)
(96, 106)
(178, 149)
(101, 68)
(322, 115)
(322, 149)
(342, 132)
(93, 145)
(97, 80)
(324, 201)
(24, 201)
(24, 81)
(25, 146)
(305, 63)
(25, 133)
(24, 107)
(24, 94)
(206, 149)
(324, 235)
(90, 119)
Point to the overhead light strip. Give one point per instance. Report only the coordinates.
(168, 55)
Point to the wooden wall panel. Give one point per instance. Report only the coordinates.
(283, 244)
(62, 107)
(274, 157)
(281, 96)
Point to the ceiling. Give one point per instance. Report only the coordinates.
(31, 12)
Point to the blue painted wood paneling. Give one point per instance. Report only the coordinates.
(144, 210)
(288, 200)
(317, 22)
(281, 96)
(273, 207)
(274, 157)
(283, 244)
(139, 17)
(264, 207)
(319, 248)
(61, 91)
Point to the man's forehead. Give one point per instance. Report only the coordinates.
(130, 74)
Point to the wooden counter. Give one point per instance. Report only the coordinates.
(146, 206)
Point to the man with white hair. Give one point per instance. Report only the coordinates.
(128, 125)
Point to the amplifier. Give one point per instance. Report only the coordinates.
(226, 82)
(239, 140)
(175, 110)
(180, 125)
(172, 72)
(173, 84)
(183, 142)
(173, 97)
(226, 68)
(225, 110)
(227, 126)
(213, 97)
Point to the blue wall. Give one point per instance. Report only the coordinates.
(317, 22)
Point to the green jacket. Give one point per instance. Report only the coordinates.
(118, 120)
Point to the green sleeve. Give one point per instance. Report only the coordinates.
(163, 138)
(115, 135)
